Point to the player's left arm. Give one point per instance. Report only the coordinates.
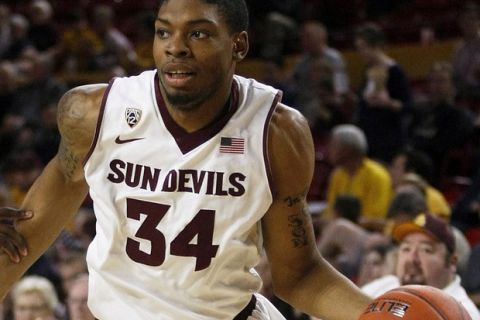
(300, 275)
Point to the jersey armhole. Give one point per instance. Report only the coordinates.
(99, 122)
(276, 101)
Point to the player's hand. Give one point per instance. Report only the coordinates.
(11, 242)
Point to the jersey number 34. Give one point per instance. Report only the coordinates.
(201, 226)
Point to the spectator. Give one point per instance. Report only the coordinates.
(116, 50)
(356, 174)
(471, 277)
(42, 32)
(41, 89)
(78, 45)
(319, 79)
(19, 42)
(439, 126)
(34, 297)
(70, 265)
(410, 200)
(20, 170)
(466, 211)
(77, 299)
(410, 160)
(342, 241)
(5, 29)
(466, 60)
(384, 95)
(426, 256)
(436, 202)
(378, 261)
(144, 32)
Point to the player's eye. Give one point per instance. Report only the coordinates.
(199, 34)
(162, 33)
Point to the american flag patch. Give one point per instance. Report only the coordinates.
(232, 145)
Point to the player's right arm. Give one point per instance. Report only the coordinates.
(58, 192)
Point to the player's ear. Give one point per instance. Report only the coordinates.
(240, 46)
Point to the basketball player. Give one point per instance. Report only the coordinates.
(191, 169)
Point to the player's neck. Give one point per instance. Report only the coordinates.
(200, 116)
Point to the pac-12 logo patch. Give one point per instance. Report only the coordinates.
(133, 115)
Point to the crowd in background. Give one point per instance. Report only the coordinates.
(386, 151)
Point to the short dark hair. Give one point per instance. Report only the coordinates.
(419, 162)
(348, 206)
(409, 202)
(372, 34)
(235, 13)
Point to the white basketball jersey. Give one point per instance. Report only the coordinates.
(178, 213)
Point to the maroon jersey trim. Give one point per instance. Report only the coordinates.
(276, 101)
(101, 113)
(187, 141)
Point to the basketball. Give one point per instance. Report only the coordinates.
(415, 302)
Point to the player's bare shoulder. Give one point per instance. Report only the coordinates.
(78, 113)
(77, 116)
(290, 149)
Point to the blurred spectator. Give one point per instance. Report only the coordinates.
(384, 95)
(414, 167)
(341, 240)
(84, 227)
(274, 27)
(19, 41)
(466, 60)
(42, 32)
(77, 299)
(427, 35)
(471, 277)
(280, 32)
(5, 200)
(439, 126)
(378, 261)
(34, 298)
(144, 33)
(69, 265)
(466, 212)
(319, 79)
(409, 201)
(5, 29)
(78, 45)
(47, 137)
(116, 50)
(426, 256)
(275, 74)
(41, 89)
(436, 202)
(409, 160)
(20, 170)
(356, 174)
(8, 85)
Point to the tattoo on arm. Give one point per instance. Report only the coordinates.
(71, 117)
(68, 160)
(293, 200)
(298, 231)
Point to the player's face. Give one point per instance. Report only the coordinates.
(422, 260)
(194, 53)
